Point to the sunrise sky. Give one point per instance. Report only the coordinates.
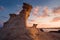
(45, 13)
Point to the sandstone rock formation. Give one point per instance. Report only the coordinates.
(34, 32)
(15, 27)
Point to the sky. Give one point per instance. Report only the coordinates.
(45, 13)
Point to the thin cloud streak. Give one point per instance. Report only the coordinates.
(56, 10)
(56, 19)
(36, 10)
(1, 8)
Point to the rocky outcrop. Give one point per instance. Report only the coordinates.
(55, 31)
(39, 34)
(34, 32)
(15, 27)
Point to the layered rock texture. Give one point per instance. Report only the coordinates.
(15, 28)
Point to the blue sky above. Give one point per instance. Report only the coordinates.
(12, 6)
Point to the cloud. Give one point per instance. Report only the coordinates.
(1, 8)
(1, 23)
(45, 12)
(56, 19)
(47, 18)
(36, 10)
(56, 10)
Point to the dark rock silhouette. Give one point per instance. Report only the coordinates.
(58, 31)
(55, 31)
(41, 30)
